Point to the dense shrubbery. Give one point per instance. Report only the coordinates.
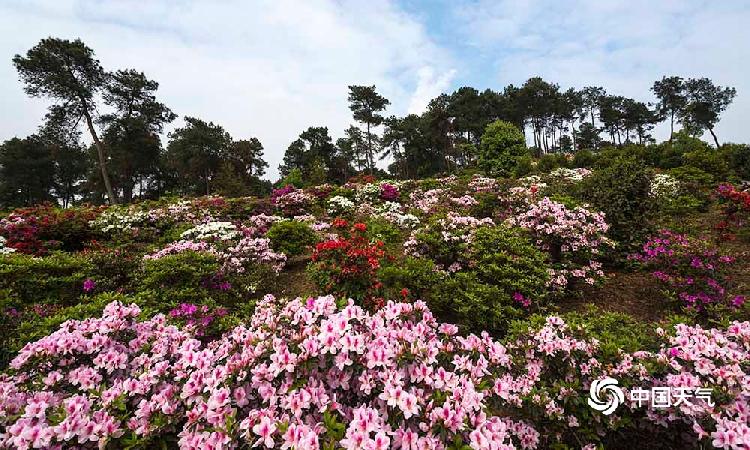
(347, 265)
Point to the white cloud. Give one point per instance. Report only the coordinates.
(268, 69)
(623, 46)
(429, 86)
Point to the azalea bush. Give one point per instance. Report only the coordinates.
(446, 240)
(736, 210)
(507, 277)
(347, 265)
(574, 238)
(314, 374)
(692, 268)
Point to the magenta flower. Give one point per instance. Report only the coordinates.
(89, 285)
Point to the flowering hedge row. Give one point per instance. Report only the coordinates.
(308, 374)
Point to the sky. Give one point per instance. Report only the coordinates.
(270, 69)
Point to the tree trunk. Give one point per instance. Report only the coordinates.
(369, 148)
(102, 161)
(716, 140)
(671, 126)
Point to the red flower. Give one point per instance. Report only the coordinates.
(340, 223)
(360, 227)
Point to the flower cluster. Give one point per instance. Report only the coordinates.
(250, 249)
(196, 318)
(479, 183)
(570, 175)
(212, 231)
(388, 192)
(695, 269)
(392, 212)
(348, 263)
(664, 186)
(117, 219)
(4, 249)
(427, 201)
(181, 246)
(182, 211)
(21, 233)
(573, 237)
(259, 224)
(736, 209)
(293, 202)
(446, 241)
(339, 205)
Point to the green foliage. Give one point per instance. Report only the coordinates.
(417, 275)
(186, 277)
(195, 152)
(26, 172)
(583, 158)
(616, 332)
(709, 160)
(294, 177)
(622, 191)
(739, 160)
(291, 237)
(551, 161)
(481, 298)
(694, 194)
(501, 145)
(57, 278)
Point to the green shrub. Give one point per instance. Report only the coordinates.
(505, 264)
(622, 192)
(502, 144)
(709, 160)
(187, 277)
(291, 237)
(417, 275)
(550, 162)
(57, 278)
(583, 158)
(379, 229)
(739, 160)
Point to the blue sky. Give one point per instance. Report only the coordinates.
(272, 68)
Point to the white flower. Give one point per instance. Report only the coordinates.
(664, 186)
(3, 249)
(339, 205)
(222, 231)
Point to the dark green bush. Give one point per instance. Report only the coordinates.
(739, 160)
(57, 278)
(551, 161)
(506, 263)
(187, 277)
(622, 192)
(417, 275)
(583, 158)
(709, 160)
(291, 237)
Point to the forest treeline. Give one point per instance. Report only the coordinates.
(123, 119)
